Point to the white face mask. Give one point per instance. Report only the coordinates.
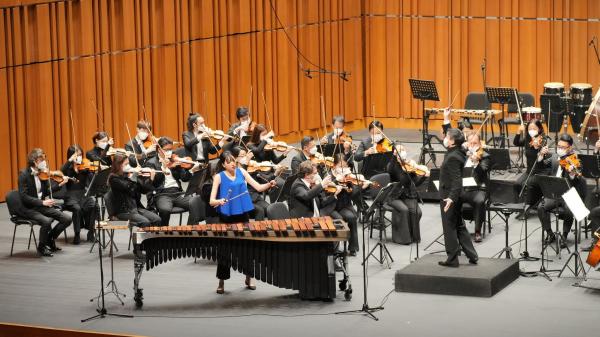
(446, 142)
(473, 149)
(403, 155)
(142, 135)
(127, 168)
(561, 152)
(313, 151)
(243, 161)
(78, 160)
(343, 170)
(102, 145)
(377, 138)
(42, 165)
(338, 131)
(246, 123)
(168, 154)
(532, 133)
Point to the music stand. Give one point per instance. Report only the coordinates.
(285, 189)
(97, 188)
(377, 205)
(424, 90)
(552, 188)
(376, 164)
(500, 159)
(329, 150)
(502, 96)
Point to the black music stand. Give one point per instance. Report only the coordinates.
(502, 96)
(329, 150)
(97, 188)
(378, 205)
(284, 193)
(552, 188)
(500, 159)
(375, 164)
(590, 168)
(553, 111)
(425, 90)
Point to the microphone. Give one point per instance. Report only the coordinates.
(307, 73)
(592, 41)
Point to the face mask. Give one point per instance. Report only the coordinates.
(561, 152)
(102, 145)
(142, 135)
(532, 133)
(42, 165)
(446, 142)
(465, 146)
(338, 131)
(473, 149)
(243, 161)
(313, 151)
(168, 154)
(246, 123)
(403, 155)
(127, 168)
(343, 170)
(377, 138)
(78, 160)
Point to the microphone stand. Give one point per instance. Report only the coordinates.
(593, 43)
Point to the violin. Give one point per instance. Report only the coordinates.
(357, 179)
(279, 146)
(571, 164)
(120, 151)
(419, 170)
(88, 165)
(332, 188)
(318, 159)
(150, 140)
(539, 140)
(263, 166)
(218, 135)
(183, 162)
(57, 176)
(383, 146)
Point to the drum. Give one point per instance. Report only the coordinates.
(530, 113)
(581, 93)
(554, 88)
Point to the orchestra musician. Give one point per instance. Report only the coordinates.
(127, 186)
(368, 146)
(566, 165)
(243, 158)
(406, 214)
(456, 235)
(82, 207)
(242, 128)
(537, 157)
(196, 140)
(141, 146)
(36, 197)
(102, 144)
(341, 137)
(166, 185)
(309, 150)
(259, 138)
(479, 163)
(230, 194)
(306, 194)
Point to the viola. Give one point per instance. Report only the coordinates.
(419, 170)
(571, 164)
(383, 146)
(332, 188)
(57, 176)
(539, 140)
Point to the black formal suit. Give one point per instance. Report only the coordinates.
(543, 167)
(164, 199)
(136, 148)
(97, 154)
(406, 215)
(298, 159)
(364, 145)
(190, 142)
(34, 209)
(301, 201)
(456, 234)
(347, 155)
(82, 207)
(126, 201)
(261, 155)
(548, 205)
(475, 196)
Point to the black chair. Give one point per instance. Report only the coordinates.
(278, 211)
(477, 101)
(13, 201)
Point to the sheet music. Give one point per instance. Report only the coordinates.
(467, 182)
(575, 204)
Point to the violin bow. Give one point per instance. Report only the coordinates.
(267, 111)
(132, 145)
(205, 115)
(98, 114)
(72, 126)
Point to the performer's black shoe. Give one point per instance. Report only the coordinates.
(473, 261)
(44, 251)
(53, 246)
(449, 264)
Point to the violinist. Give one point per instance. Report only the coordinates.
(537, 157)
(142, 146)
(406, 214)
(479, 164)
(463, 125)
(36, 196)
(309, 150)
(340, 137)
(242, 128)
(196, 139)
(102, 144)
(258, 140)
(166, 186)
(375, 143)
(82, 207)
(243, 158)
(127, 186)
(231, 197)
(344, 200)
(307, 197)
(567, 165)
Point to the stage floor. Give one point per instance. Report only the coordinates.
(180, 298)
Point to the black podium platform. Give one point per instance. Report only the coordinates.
(485, 279)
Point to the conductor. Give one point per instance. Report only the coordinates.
(456, 234)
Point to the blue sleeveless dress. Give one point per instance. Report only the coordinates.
(229, 189)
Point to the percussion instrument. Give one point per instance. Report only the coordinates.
(289, 253)
(465, 113)
(554, 88)
(581, 94)
(531, 112)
